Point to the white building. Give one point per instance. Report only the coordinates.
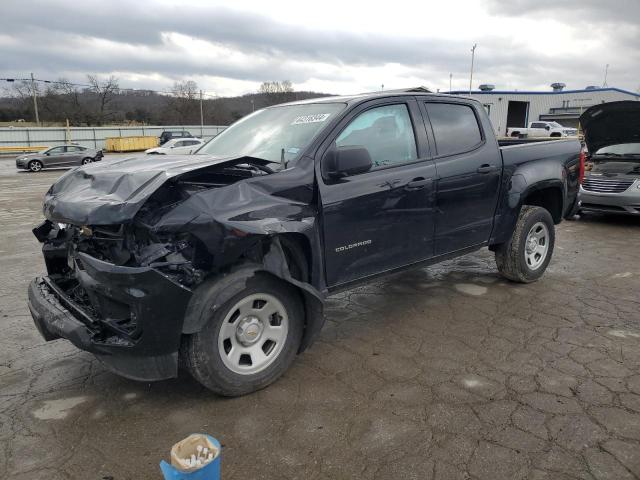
(516, 109)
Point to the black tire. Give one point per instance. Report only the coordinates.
(511, 256)
(35, 165)
(202, 358)
(87, 160)
(555, 135)
(515, 134)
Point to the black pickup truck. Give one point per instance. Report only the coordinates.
(221, 261)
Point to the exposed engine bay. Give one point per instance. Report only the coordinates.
(139, 243)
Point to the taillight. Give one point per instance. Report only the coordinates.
(583, 159)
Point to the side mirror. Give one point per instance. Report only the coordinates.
(344, 161)
(47, 153)
(547, 127)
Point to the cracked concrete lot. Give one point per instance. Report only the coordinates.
(443, 373)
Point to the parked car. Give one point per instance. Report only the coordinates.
(58, 156)
(612, 137)
(169, 134)
(222, 260)
(177, 146)
(543, 129)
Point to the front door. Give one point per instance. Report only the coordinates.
(469, 171)
(55, 156)
(384, 218)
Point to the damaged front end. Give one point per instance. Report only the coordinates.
(128, 244)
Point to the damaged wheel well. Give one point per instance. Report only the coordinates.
(285, 260)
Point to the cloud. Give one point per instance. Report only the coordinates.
(594, 11)
(338, 47)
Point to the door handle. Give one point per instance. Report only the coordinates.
(419, 183)
(486, 168)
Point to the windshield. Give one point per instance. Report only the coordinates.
(555, 125)
(265, 133)
(620, 149)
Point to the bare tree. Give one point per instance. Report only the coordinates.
(277, 92)
(184, 101)
(105, 91)
(276, 87)
(23, 91)
(62, 99)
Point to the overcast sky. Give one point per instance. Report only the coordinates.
(230, 47)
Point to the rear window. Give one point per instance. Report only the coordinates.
(455, 128)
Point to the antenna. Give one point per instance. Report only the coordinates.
(283, 162)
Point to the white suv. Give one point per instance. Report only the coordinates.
(177, 146)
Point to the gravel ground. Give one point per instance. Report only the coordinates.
(443, 373)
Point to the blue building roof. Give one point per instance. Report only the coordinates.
(527, 92)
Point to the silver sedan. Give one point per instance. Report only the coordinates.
(58, 156)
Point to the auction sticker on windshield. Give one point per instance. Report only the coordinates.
(318, 117)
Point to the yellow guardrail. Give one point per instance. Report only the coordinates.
(130, 144)
(36, 148)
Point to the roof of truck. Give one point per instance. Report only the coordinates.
(372, 95)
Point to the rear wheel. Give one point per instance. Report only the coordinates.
(35, 165)
(525, 257)
(87, 160)
(249, 341)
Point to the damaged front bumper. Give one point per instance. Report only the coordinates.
(141, 311)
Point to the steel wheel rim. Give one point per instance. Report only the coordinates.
(86, 161)
(536, 245)
(35, 166)
(253, 334)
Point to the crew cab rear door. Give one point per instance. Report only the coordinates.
(382, 218)
(469, 167)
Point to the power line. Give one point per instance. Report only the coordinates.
(85, 85)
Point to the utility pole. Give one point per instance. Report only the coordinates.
(201, 117)
(35, 99)
(450, 78)
(606, 72)
(473, 54)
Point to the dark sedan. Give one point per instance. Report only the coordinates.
(58, 156)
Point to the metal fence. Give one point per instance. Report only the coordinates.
(92, 137)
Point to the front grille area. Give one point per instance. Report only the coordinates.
(605, 185)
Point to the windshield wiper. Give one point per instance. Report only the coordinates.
(596, 155)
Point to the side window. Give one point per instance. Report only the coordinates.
(455, 127)
(386, 132)
(538, 125)
(57, 150)
(178, 144)
(72, 149)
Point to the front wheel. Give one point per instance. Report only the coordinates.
(525, 257)
(35, 165)
(248, 342)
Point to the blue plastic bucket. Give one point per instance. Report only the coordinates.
(210, 471)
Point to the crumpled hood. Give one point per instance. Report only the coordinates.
(113, 192)
(610, 124)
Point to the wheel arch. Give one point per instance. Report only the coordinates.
(547, 196)
(286, 257)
